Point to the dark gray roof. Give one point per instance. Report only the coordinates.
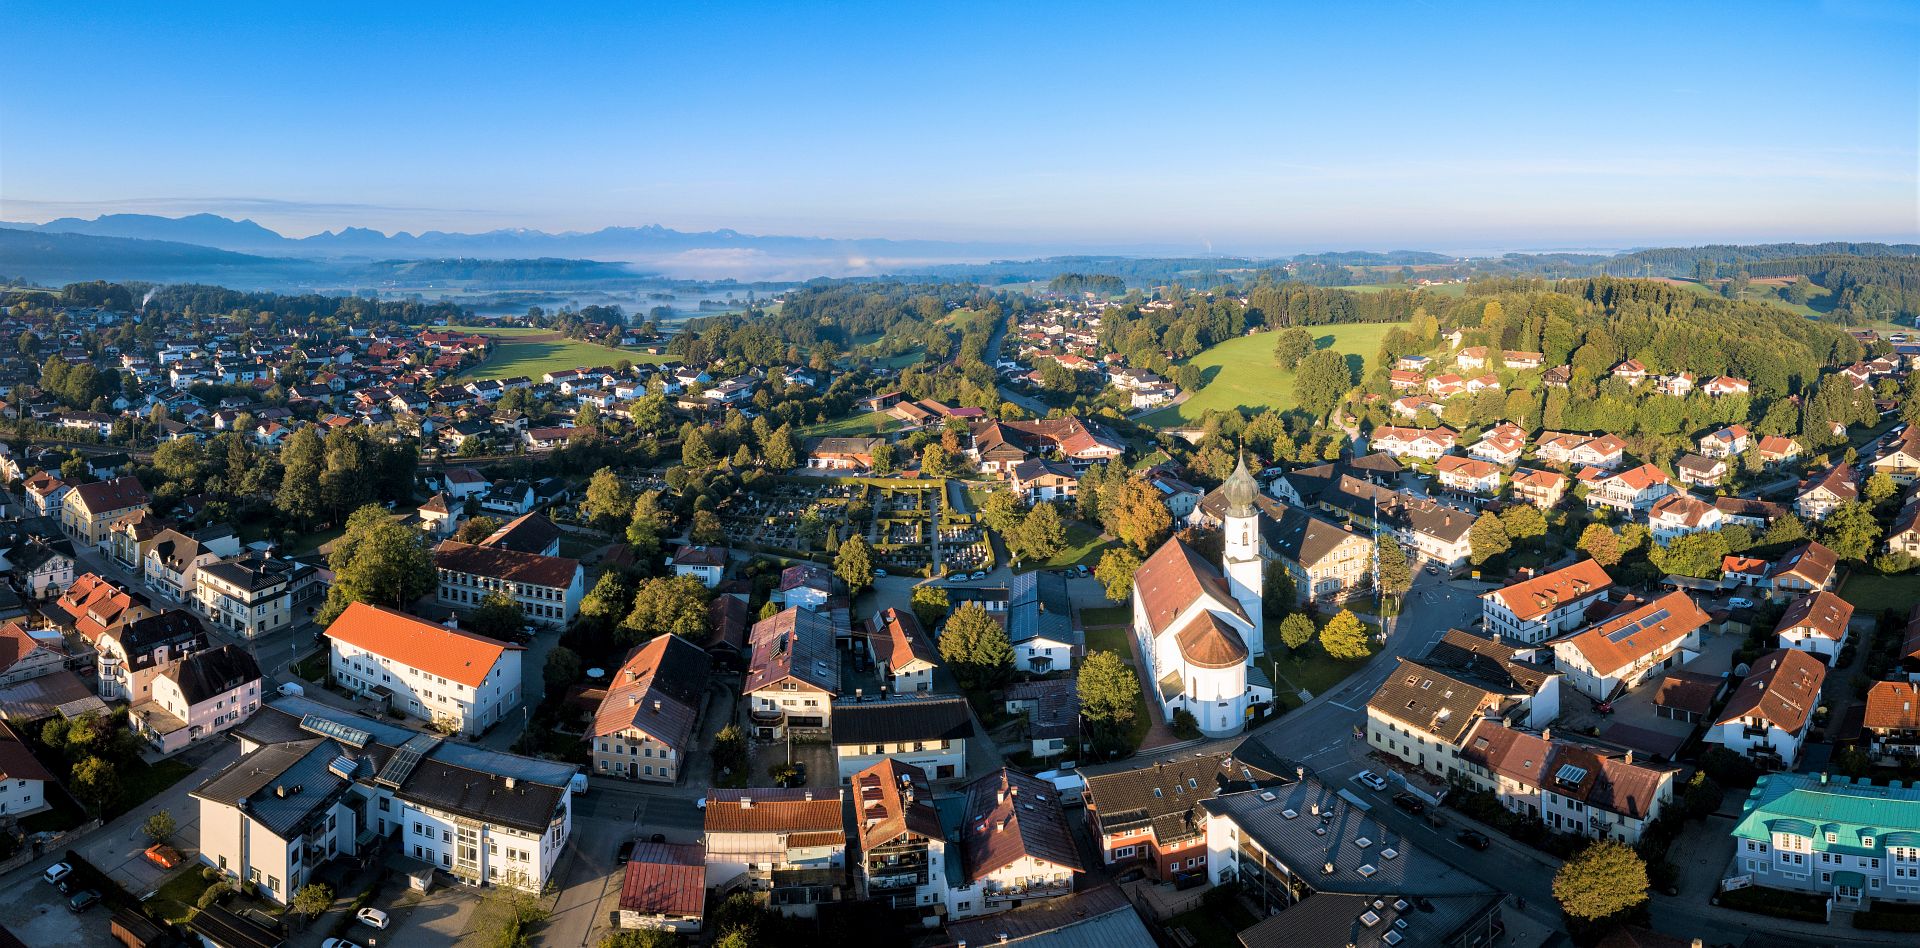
(1261, 817)
(902, 719)
(214, 672)
(253, 571)
(1360, 921)
(1096, 918)
(1039, 606)
(282, 786)
(174, 628)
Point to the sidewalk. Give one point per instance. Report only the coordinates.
(1159, 733)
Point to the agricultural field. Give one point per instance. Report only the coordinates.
(1442, 289)
(1871, 593)
(853, 426)
(535, 352)
(1240, 373)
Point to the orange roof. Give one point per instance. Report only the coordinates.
(1822, 613)
(1207, 642)
(452, 654)
(1893, 704)
(1549, 591)
(1783, 689)
(1630, 636)
(1173, 578)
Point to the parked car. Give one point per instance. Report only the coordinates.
(163, 855)
(1433, 571)
(1739, 602)
(701, 803)
(1081, 569)
(338, 943)
(624, 854)
(372, 916)
(292, 690)
(1371, 780)
(1409, 803)
(56, 872)
(978, 575)
(657, 838)
(1473, 839)
(83, 901)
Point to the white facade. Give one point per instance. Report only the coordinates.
(428, 697)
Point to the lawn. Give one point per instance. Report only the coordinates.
(853, 426)
(1240, 373)
(174, 901)
(1114, 640)
(1108, 615)
(1311, 668)
(140, 782)
(1876, 593)
(1084, 546)
(65, 815)
(511, 357)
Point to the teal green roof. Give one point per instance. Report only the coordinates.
(1854, 812)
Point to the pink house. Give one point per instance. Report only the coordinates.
(198, 697)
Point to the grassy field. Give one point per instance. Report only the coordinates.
(871, 423)
(176, 897)
(1875, 593)
(536, 358)
(1443, 289)
(1240, 373)
(1114, 639)
(1310, 668)
(1084, 546)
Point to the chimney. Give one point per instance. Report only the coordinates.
(656, 705)
(281, 789)
(1629, 755)
(809, 795)
(511, 783)
(633, 700)
(999, 826)
(1546, 734)
(1000, 796)
(746, 803)
(1823, 777)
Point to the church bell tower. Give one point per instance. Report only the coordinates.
(1244, 567)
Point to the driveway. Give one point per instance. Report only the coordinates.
(589, 879)
(118, 849)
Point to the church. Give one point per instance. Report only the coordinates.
(1199, 625)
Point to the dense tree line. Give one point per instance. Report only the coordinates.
(1865, 288)
(1101, 284)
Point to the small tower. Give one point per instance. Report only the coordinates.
(1243, 566)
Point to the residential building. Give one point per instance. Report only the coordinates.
(28, 654)
(89, 510)
(173, 562)
(646, 725)
(1427, 444)
(197, 696)
(1577, 450)
(1424, 709)
(807, 586)
(130, 653)
(23, 779)
(1816, 623)
(1900, 458)
(1776, 450)
(1771, 710)
(1016, 845)
(1152, 815)
(1829, 836)
(1326, 562)
(1543, 489)
(1699, 471)
(255, 593)
(842, 454)
(793, 674)
(1628, 648)
(928, 731)
(457, 681)
(787, 847)
(1892, 723)
(548, 588)
(1468, 475)
(1042, 624)
(900, 649)
(1680, 514)
(46, 495)
(1052, 709)
(664, 887)
(903, 850)
(314, 783)
(40, 567)
(1097, 916)
(1630, 493)
(1726, 442)
(1755, 515)
(1807, 568)
(708, 564)
(1820, 494)
(1314, 866)
(1548, 605)
(997, 446)
(1566, 786)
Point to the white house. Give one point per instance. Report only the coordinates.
(1768, 716)
(928, 731)
(1547, 605)
(1627, 649)
(708, 564)
(458, 681)
(1815, 623)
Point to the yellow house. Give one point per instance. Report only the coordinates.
(89, 511)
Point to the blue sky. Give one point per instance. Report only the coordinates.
(1244, 129)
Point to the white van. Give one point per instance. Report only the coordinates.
(292, 690)
(1071, 786)
(578, 785)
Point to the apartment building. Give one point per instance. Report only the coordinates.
(256, 593)
(646, 725)
(1767, 718)
(903, 849)
(89, 510)
(1548, 605)
(1625, 650)
(197, 696)
(457, 681)
(788, 847)
(1826, 835)
(929, 732)
(548, 588)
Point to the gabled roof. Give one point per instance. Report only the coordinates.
(774, 810)
(1010, 815)
(665, 879)
(498, 563)
(1432, 701)
(205, 675)
(528, 533)
(897, 641)
(1893, 705)
(1811, 562)
(1163, 796)
(796, 643)
(659, 691)
(1625, 638)
(892, 798)
(116, 494)
(1546, 592)
(1783, 688)
(1820, 613)
(902, 718)
(453, 654)
(1175, 577)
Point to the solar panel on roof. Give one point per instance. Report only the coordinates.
(1625, 632)
(407, 757)
(344, 733)
(1570, 774)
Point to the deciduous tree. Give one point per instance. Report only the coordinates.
(1296, 630)
(1345, 637)
(853, 563)
(1292, 345)
(1133, 511)
(1604, 880)
(1109, 690)
(1115, 572)
(379, 562)
(1488, 538)
(675, 605)
(607, 499)
(498, 616)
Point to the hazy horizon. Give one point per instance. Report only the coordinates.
(1245, 132)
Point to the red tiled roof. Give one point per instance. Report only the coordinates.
(453, 654)
(500, 563)
(1783, 688)
(665, 879)
(1173, 578)
(773, 810)
(1549, 591)
(1822, 613)
(117, 494)
(1607, 656)
(1894, 705)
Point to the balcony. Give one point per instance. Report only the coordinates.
(1037, 889)
(767, 716)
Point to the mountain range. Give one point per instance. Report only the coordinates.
(632, 244)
